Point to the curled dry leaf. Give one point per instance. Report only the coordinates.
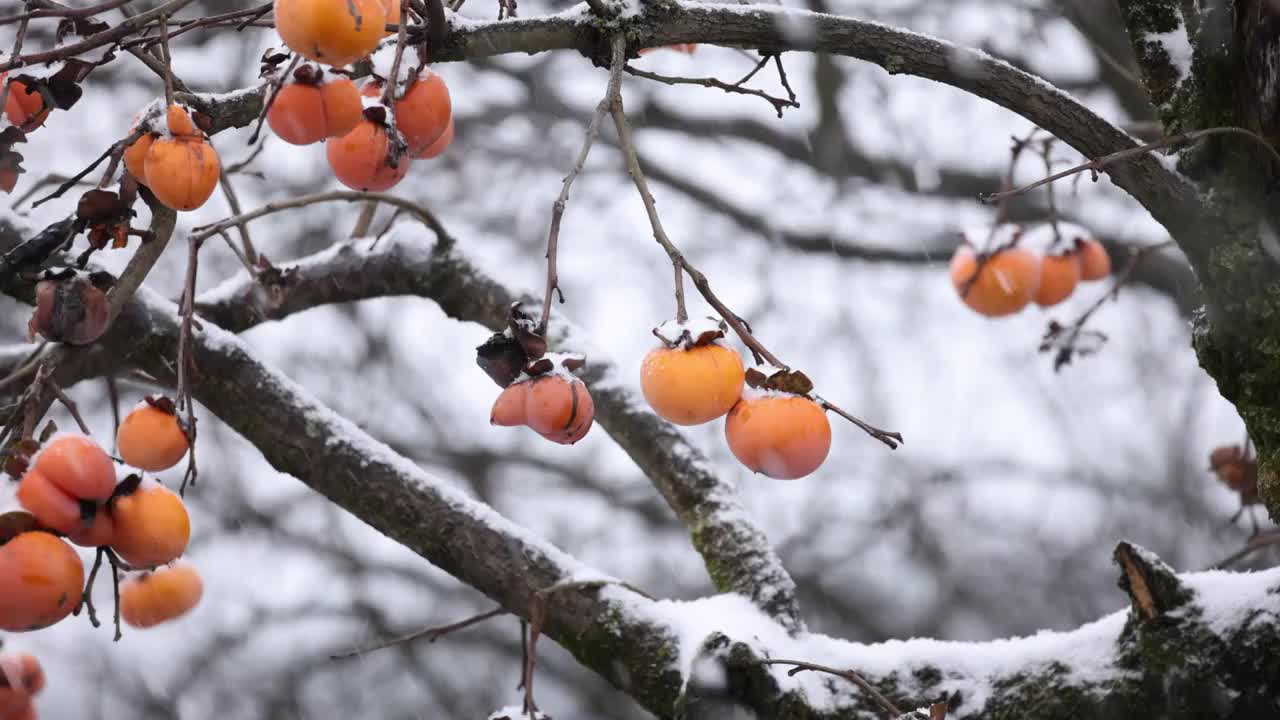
(501, 358)
(692, 334)
(17, 457)
(272, 58)
(788, 381)
(1238, 470)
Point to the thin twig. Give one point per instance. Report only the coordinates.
(168, 61)
(391, 92)
(106, 37)
(425, 216)
(617, 63)
(1100, 164)
(273, 90)
(850, 675)
(431, 634)
(779, 104)
(70, 13)
(364, 219)
(1254, 544)
(233, 202)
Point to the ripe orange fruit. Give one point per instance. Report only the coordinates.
(135, 157)
(97, 531)
(77, 466)
(439, 146)
(151, 525)
(359, 159)
(151, 439)
(782, 436)
(334, 32)
(1095, 263)
(53, 507)
(160, 596)
(559, 410)
(21, 678)
(694, 386)
(42, 579)
(423, 113)
(508, 409)
(1007, 281)
(182, 171)
(303, 114)
(25, 110)
(1059, 275)
(179, 122)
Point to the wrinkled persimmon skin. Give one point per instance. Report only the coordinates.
(151, 439)
(135, 157)
(78, 466)
(182, 172)
(152, 526)
(303, 114)
(1007, 282)
(783, 437)
(694, 386)
(25, 110)
(1095, 263)
(359, 159)
(97, 531)
(42, 579)
(48, 503)
(1059, 275)
(160, 596)
(179, 122)
(439, 146)
(328, 31)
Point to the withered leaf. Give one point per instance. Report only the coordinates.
(126, 486)
(376, 114)
(756, 379)
(49, 429)
(98, 205)
(501, 358)
(82, 26)
(792, 381)
(525, 330)
(541, 366)
(163, 403)
(14, 523)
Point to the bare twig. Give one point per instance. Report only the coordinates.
(430, 634)
(233, 202)
(273, 90)
(391, 92)
(779, 104)
(167, 59)
(617, 63)
(364, 219)
(850, 675)
(1258, 542)
(64, 12)
(97, 40)
(1100, 164)
(421, 213)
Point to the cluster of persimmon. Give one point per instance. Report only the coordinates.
(174, 160)
(773, 427)
(1004, 280)
(369, 146)
(21, 679)
(69, 494)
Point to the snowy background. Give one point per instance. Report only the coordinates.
(996, 518)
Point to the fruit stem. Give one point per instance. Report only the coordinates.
(389, 92)
(168, 60)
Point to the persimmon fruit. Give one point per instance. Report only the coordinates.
(21, 678)
(151, 438)
(1003, 285)
(182, 171)
(692, 386)
(151, 525)
(24, 109)
(1059, 275)
(439, 146)
(560, 410)
(1095, 263)
(304, 113)
(361, 158)
(782, 436)
(77, 466)
(334, 32)
(157, 597)
(424, 111)
(52, 506)
(42, 579)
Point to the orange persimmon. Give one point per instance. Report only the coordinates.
(439, 146)
(160, 596)
(781, 436)
(392, 9)
(1095, 263)
(77, 466)
(151, 525)
(1004, 284)
(182, 171)
(302, 113)
(693, 386)
(48, 503)
(424, 111)
(361, 158)
(24, 109)
(151, 438)
(334, 32)
(42, 579)
(559, 410)
(1059, 275)
(21, 678)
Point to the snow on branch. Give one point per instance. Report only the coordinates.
(407, 262)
